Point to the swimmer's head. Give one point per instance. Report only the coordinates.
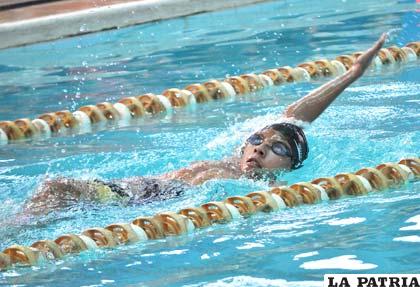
(279, 146)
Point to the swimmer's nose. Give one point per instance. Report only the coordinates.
(260, 151)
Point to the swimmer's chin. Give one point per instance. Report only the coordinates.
(247, 169)
(250, 166)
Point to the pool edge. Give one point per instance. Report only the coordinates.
(74, 23)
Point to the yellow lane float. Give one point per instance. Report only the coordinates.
(27, 128)
(346, 60)
(163, 224)
(290, 196)
(216, 90)
(239, 85)
(134, 105)
(275, 76)
(180, 98)
(415, 46)
(353, 184)
(375, 177)
(82, 120)
(19, 254)
(50, 249)
(200, 92)
(127, 232)
(151, 226)
(312, 69)
(413, 164)
(331, 186)
(265, 201)
(244, 204)
(197, 215)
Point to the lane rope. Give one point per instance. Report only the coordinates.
(85, 118)
(164, 224)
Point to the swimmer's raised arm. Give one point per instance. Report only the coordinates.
(308, 108)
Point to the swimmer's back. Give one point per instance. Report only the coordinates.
(63, 192)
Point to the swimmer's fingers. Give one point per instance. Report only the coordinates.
(378, 44)
(364, 60)
(383, 38)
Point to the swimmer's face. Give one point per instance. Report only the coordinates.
(266, 149)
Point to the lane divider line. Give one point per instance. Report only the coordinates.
(185, 221)
(81, 121)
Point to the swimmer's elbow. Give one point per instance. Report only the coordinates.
(299, 115)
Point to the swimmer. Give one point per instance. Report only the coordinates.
(280, 146)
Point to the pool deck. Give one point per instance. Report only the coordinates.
(24, 22)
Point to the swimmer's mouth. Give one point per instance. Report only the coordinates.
(252, 162)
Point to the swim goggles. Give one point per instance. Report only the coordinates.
(277, 147)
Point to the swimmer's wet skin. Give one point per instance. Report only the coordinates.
(281, 146)
(63, 192)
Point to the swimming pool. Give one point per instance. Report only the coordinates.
(374, 121)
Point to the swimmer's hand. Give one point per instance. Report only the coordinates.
(366, 58)
(310, 107)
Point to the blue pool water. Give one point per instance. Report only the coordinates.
(376, 120)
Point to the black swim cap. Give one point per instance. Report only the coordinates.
(295, 137)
